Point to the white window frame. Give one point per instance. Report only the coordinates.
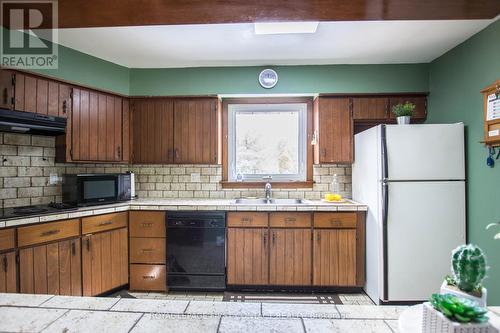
(301, 108)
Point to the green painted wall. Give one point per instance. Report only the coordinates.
(292, 79)
(82, 68)
(91, 71)
(455, 81)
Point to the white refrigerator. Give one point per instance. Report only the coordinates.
(412, 178)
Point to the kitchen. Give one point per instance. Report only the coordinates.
(160, 180)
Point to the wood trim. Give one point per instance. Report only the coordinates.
(105, 13)
(360, 249)
(285, 185)
(267, 100)
(374, 94)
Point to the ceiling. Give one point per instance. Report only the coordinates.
(107, 13)
(345, 42)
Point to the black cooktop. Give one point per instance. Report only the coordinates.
(52, 208)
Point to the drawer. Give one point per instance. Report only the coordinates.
(7, 239)
(47, 232)
(247, 219)
(104, 222)
(290, 220)
(147, 250)
(147, 224)
(335, 220)
(148, 277)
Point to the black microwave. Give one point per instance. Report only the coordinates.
(95, 189)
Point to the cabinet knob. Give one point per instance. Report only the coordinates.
(65, 106)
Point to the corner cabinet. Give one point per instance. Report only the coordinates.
(104, 253)
(334, 130)
(97, 129)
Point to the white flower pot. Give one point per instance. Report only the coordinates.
(446, 289)
(434, 321)
(404, 120)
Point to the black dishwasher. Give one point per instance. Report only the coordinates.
(196, 252)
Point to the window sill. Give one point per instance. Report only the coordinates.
(301, 184)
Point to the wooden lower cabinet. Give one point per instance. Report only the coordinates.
(53, 268)
(247, 256)
(334, 253)
(8, 270)
(148, 277)
(104, 261)
(290, 257)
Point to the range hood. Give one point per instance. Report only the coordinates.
(31, 123)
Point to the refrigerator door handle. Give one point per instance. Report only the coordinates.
(385, 210)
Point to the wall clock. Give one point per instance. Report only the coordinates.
(268, 78)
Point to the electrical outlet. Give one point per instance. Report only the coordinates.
(53, 179)
(195, 178)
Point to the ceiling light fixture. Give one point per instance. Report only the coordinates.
(274, 28)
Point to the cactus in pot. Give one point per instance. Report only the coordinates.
(468, 264)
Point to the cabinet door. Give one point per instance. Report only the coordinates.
(290, 257)
(334, 257)
(19, 92)
(104, 261)
(54, 268)
(126, 130)
(335, 130)
(8, 278)
(195, 135)
(42, 96)
(53, 99)
(96, 126)
(247, 256)
(153, 131)
(370, 108)
(6, 89)
(420, 111)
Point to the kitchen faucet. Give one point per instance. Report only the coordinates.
(267, 188)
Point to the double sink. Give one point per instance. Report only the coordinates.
(264, 201)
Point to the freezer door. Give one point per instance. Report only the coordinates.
(425, 152)
(426, 221)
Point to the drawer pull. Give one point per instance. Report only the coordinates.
(102, 224)
(147, 225)
(335, 222)
(148, 277)
(290, 219)
(50, 233)
(246, 219)
(73, 248)
(147, 250)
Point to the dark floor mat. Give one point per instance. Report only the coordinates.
(281, 298)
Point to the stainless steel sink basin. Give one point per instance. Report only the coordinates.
(244, 201)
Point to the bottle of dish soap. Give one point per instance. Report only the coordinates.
(334, 186)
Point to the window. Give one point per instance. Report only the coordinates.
(267, 142)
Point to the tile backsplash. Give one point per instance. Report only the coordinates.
(27, 161)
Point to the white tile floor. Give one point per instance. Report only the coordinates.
(45, 313)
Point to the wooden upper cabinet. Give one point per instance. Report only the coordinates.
(97, 132)
(195, 133)
(420, 111)
(6, 89)
(153, 130)
(334, 124)
(370, 108)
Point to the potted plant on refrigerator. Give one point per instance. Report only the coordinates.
(403, 112)
(451, 314)
(468, 265)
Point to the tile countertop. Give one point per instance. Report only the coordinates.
(184, 204)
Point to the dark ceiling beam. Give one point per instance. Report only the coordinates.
(106, 13)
